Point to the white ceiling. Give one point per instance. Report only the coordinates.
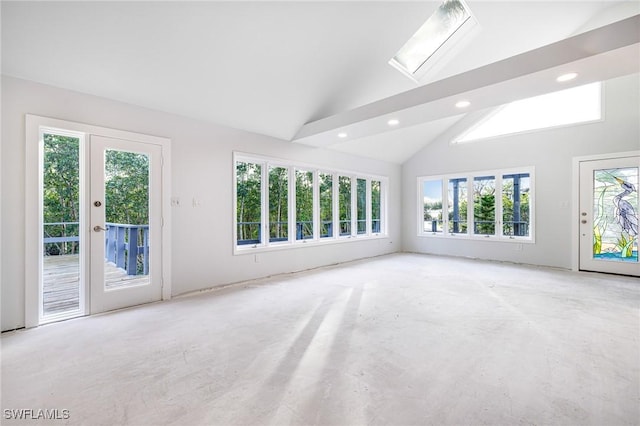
(270, 67)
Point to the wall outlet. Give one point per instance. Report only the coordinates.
(256, 258)
(518, 247)
(196, 202)
(175, 201)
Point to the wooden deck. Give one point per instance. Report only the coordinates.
(61, 282)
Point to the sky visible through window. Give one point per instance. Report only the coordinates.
(431, 36)
(432, 191)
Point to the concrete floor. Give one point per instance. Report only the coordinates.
(397, 340)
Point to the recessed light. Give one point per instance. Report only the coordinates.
(342, 135)
(393, 122)
(567, 77)
(462, 104)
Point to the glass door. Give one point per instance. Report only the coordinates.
(125, 212)
(609, 215)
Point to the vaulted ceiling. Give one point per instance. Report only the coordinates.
(300, 71)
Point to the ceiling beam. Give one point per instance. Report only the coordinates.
(603, 53)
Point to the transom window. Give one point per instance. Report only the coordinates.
(493, 205)
(280, 204)
(582, 104)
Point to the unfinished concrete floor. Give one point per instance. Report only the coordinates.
(396, 340)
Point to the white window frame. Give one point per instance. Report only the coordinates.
(498, 236)
(292, 242)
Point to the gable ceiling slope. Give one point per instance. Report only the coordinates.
(596, 55)
(269, 67)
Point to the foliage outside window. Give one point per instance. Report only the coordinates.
(484, 205)
(278, 204)
(326, 205)
(248, 203)
(344, 204)
(304, 205)
(376, 206)
(361, 205)
(516, 190)
(498, 205)
(60, 193)
(126, 187)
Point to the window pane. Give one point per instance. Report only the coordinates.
(304, 205)
(278, 204)
(376, 206)
(126, 206)
(515, 204)
(361, 205)
(484, 205)
(432, 206)
(570, 106)
(326, 205)
(344, 201)
(457, 193)
(248, 202)
(432, 35)
(61, 224)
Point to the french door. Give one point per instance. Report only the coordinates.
(609, 215)
(125, 222)
(101, 237)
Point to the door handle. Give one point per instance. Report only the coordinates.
(98, 228)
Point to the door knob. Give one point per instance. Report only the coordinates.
(98, 228)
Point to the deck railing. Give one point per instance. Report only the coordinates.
(249, 232)
(126, 245)
(514, 228)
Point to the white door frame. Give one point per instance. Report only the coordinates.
(575, 202)
(32, 273)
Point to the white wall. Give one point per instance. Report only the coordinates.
(201, 168)
(551, 153)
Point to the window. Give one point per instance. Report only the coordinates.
(432, 206)
(515, 204)
(248, 203)
(427, 45)
(484, 205)
(376, 206)
(344, 199)
(279, 204)
(304, 204)
(326, 205)
(457, 206)
(495, 205)
(571, 106)
(361, 205)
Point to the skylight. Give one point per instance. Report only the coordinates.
(571, 106)
(450, 16)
